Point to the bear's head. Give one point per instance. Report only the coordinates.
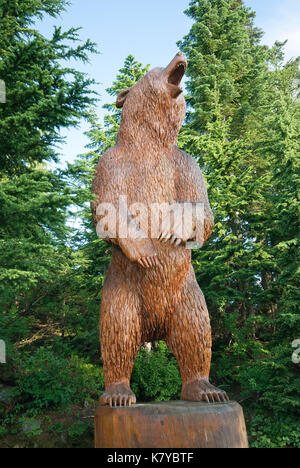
(154, 108)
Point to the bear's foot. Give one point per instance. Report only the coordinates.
(202, 390)
(118, 394)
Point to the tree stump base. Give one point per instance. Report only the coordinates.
(175, 424)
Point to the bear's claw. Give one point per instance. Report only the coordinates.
(148, 262)
(118, 395)
(202, 390)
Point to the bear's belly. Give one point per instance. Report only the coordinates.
(161, 286)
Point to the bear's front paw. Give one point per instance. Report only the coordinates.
(175, 237)
(146, 254)
(178, 229)
(148, 262)
(141, 251)
(169, 236)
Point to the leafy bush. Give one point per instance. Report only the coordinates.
(282, 432)
(46, 380)
(78, 429)
(156, 375)
(268, 384)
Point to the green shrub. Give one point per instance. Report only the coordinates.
(56, 428)
(45, 380)
(268, 385)
(156, 375)
(78, 429)
(282, 432)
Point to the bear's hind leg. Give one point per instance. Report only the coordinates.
(120, 337)
(189, 337)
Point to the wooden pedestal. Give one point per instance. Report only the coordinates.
(176, 424)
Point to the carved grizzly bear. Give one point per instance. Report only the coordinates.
(150, 292)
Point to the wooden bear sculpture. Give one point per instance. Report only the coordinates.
(150, 292)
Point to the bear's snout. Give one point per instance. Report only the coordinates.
(174, 73)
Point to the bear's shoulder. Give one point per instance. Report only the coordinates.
(112, 161)
(112, 172)
(109, 159)
(186, 161)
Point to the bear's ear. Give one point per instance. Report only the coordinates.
(122, 98)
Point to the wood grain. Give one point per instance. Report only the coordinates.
(150, 292)
(171, 425)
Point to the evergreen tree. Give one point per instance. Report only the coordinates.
(225, 61)
(44, 94)
(242, 127)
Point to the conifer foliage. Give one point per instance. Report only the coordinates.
(44, 94)
(243, 125)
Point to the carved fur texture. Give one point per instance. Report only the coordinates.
(150, 292)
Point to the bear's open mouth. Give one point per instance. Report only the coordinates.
(177, 74)
(173, 74)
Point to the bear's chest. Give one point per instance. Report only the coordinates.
(151, 181)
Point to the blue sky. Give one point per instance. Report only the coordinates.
(149, 30)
